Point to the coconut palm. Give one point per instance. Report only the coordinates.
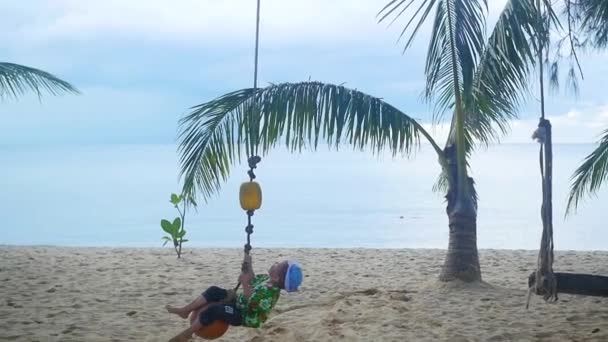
(477, 80)
(592, 19)
(16, 80)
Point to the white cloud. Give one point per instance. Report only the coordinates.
(108, 46)
(200, 21)
(206, 20)
(574, 127)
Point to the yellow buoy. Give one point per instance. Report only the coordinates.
(250, 196)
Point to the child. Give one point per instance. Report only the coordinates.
(251, 307)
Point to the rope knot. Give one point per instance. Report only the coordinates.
(253, 161)
(540, 134)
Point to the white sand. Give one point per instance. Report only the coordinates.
(102, 294)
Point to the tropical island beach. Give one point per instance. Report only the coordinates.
(104, 294)
(265, 170)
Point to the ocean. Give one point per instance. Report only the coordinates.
(116, 195)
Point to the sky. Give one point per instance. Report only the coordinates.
(140, 64)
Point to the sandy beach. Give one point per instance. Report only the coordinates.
(118, 294)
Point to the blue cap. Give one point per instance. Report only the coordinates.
(293, 277)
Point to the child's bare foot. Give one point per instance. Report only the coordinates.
(181, 313)
(184, 336)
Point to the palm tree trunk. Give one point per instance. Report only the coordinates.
(462, 259)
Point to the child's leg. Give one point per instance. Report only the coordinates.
(186, 335)
(184, 311)
(223, 312)
(211, 295)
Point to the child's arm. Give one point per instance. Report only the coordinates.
(246, 283)
(247, 276)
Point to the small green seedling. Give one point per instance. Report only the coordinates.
(175, 229)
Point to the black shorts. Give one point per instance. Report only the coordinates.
(227, 312)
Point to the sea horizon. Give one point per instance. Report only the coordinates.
(114, 195)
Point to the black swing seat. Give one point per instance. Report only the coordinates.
(578, 284)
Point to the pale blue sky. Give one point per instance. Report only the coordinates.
(141, 64)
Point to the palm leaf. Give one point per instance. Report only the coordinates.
(458, 28)
(592, 16)
(590, 176)
(457, 41)
(16, 80)
(295, 114)
(501, 79)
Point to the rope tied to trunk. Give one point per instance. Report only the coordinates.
(543, 281)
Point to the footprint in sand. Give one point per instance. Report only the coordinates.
(53, 314)
(402, 298)
(12, 337)
(573, 318)
(69, 329)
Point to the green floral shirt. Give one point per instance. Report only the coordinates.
(264, 296)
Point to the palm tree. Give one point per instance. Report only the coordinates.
(16, 80)
(479, 81)
(592, 19)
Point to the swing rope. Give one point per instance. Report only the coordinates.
(544, 282)
(253, 160)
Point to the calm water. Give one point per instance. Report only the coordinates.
(115, 195)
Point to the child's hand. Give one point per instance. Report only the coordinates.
(247, 267)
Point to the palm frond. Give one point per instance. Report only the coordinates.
(592, 16)
(442, 183)
(296, 114)
(502, 77)
(16, 80)
(590, 176)
(400, 6)
(459, 26)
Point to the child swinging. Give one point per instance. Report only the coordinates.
(249, 307)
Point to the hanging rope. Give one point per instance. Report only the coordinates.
(543, 282)
(251, 146)
(251, 140)
(257, 44)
